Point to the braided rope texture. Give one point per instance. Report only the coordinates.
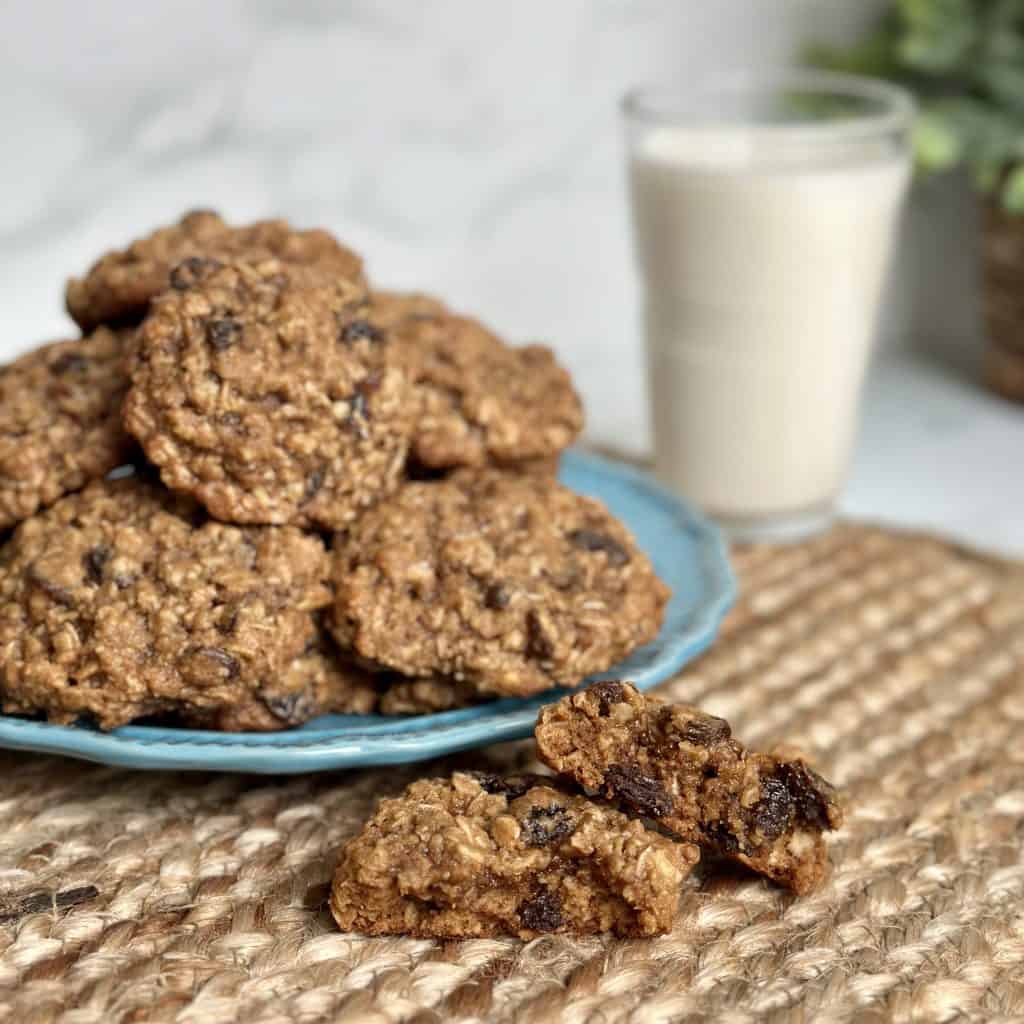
(895, 661)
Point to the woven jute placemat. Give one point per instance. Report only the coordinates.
(895, 661)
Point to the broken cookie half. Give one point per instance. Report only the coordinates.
(681, 768)
(478, 855)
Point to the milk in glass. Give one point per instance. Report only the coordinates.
(763, 256)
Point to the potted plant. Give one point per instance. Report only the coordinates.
(964, 60)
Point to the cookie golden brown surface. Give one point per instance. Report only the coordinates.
(121, 602)
(479, 401)
(262, 390)
(60, 421)
(507, 584)
(120, 285)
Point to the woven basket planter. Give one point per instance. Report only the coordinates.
(1003, 283)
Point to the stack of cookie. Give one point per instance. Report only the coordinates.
(256, 490)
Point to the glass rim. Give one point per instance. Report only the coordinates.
(896, 111)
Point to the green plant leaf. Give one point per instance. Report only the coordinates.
(987, 176)
(964, 61)
(1006, 84)
(1013, 191)
(939, 34)
(1003, 48)
(936, 143)
(876, 54)
(1007, 15)
(987, 133)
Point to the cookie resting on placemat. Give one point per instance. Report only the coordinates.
(479, 401)
(682, 768)
(119, 286)
(60, 421)
(115, 605)
(510, 584)
(478, 855)
(260, 390)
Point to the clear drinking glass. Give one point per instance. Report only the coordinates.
(765, 211)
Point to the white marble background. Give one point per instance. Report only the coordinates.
(467, 147)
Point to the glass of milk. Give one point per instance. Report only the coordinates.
(765, 212)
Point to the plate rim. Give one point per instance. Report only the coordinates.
(396, 741)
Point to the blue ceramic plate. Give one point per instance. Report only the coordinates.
(687, 550)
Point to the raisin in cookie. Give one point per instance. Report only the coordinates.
(60, 421)
(478, 855)
(259, 389)
(510, 584)
(313, 684)
(119, 287)
(683, 769)
(115, 604)
(479, 400)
